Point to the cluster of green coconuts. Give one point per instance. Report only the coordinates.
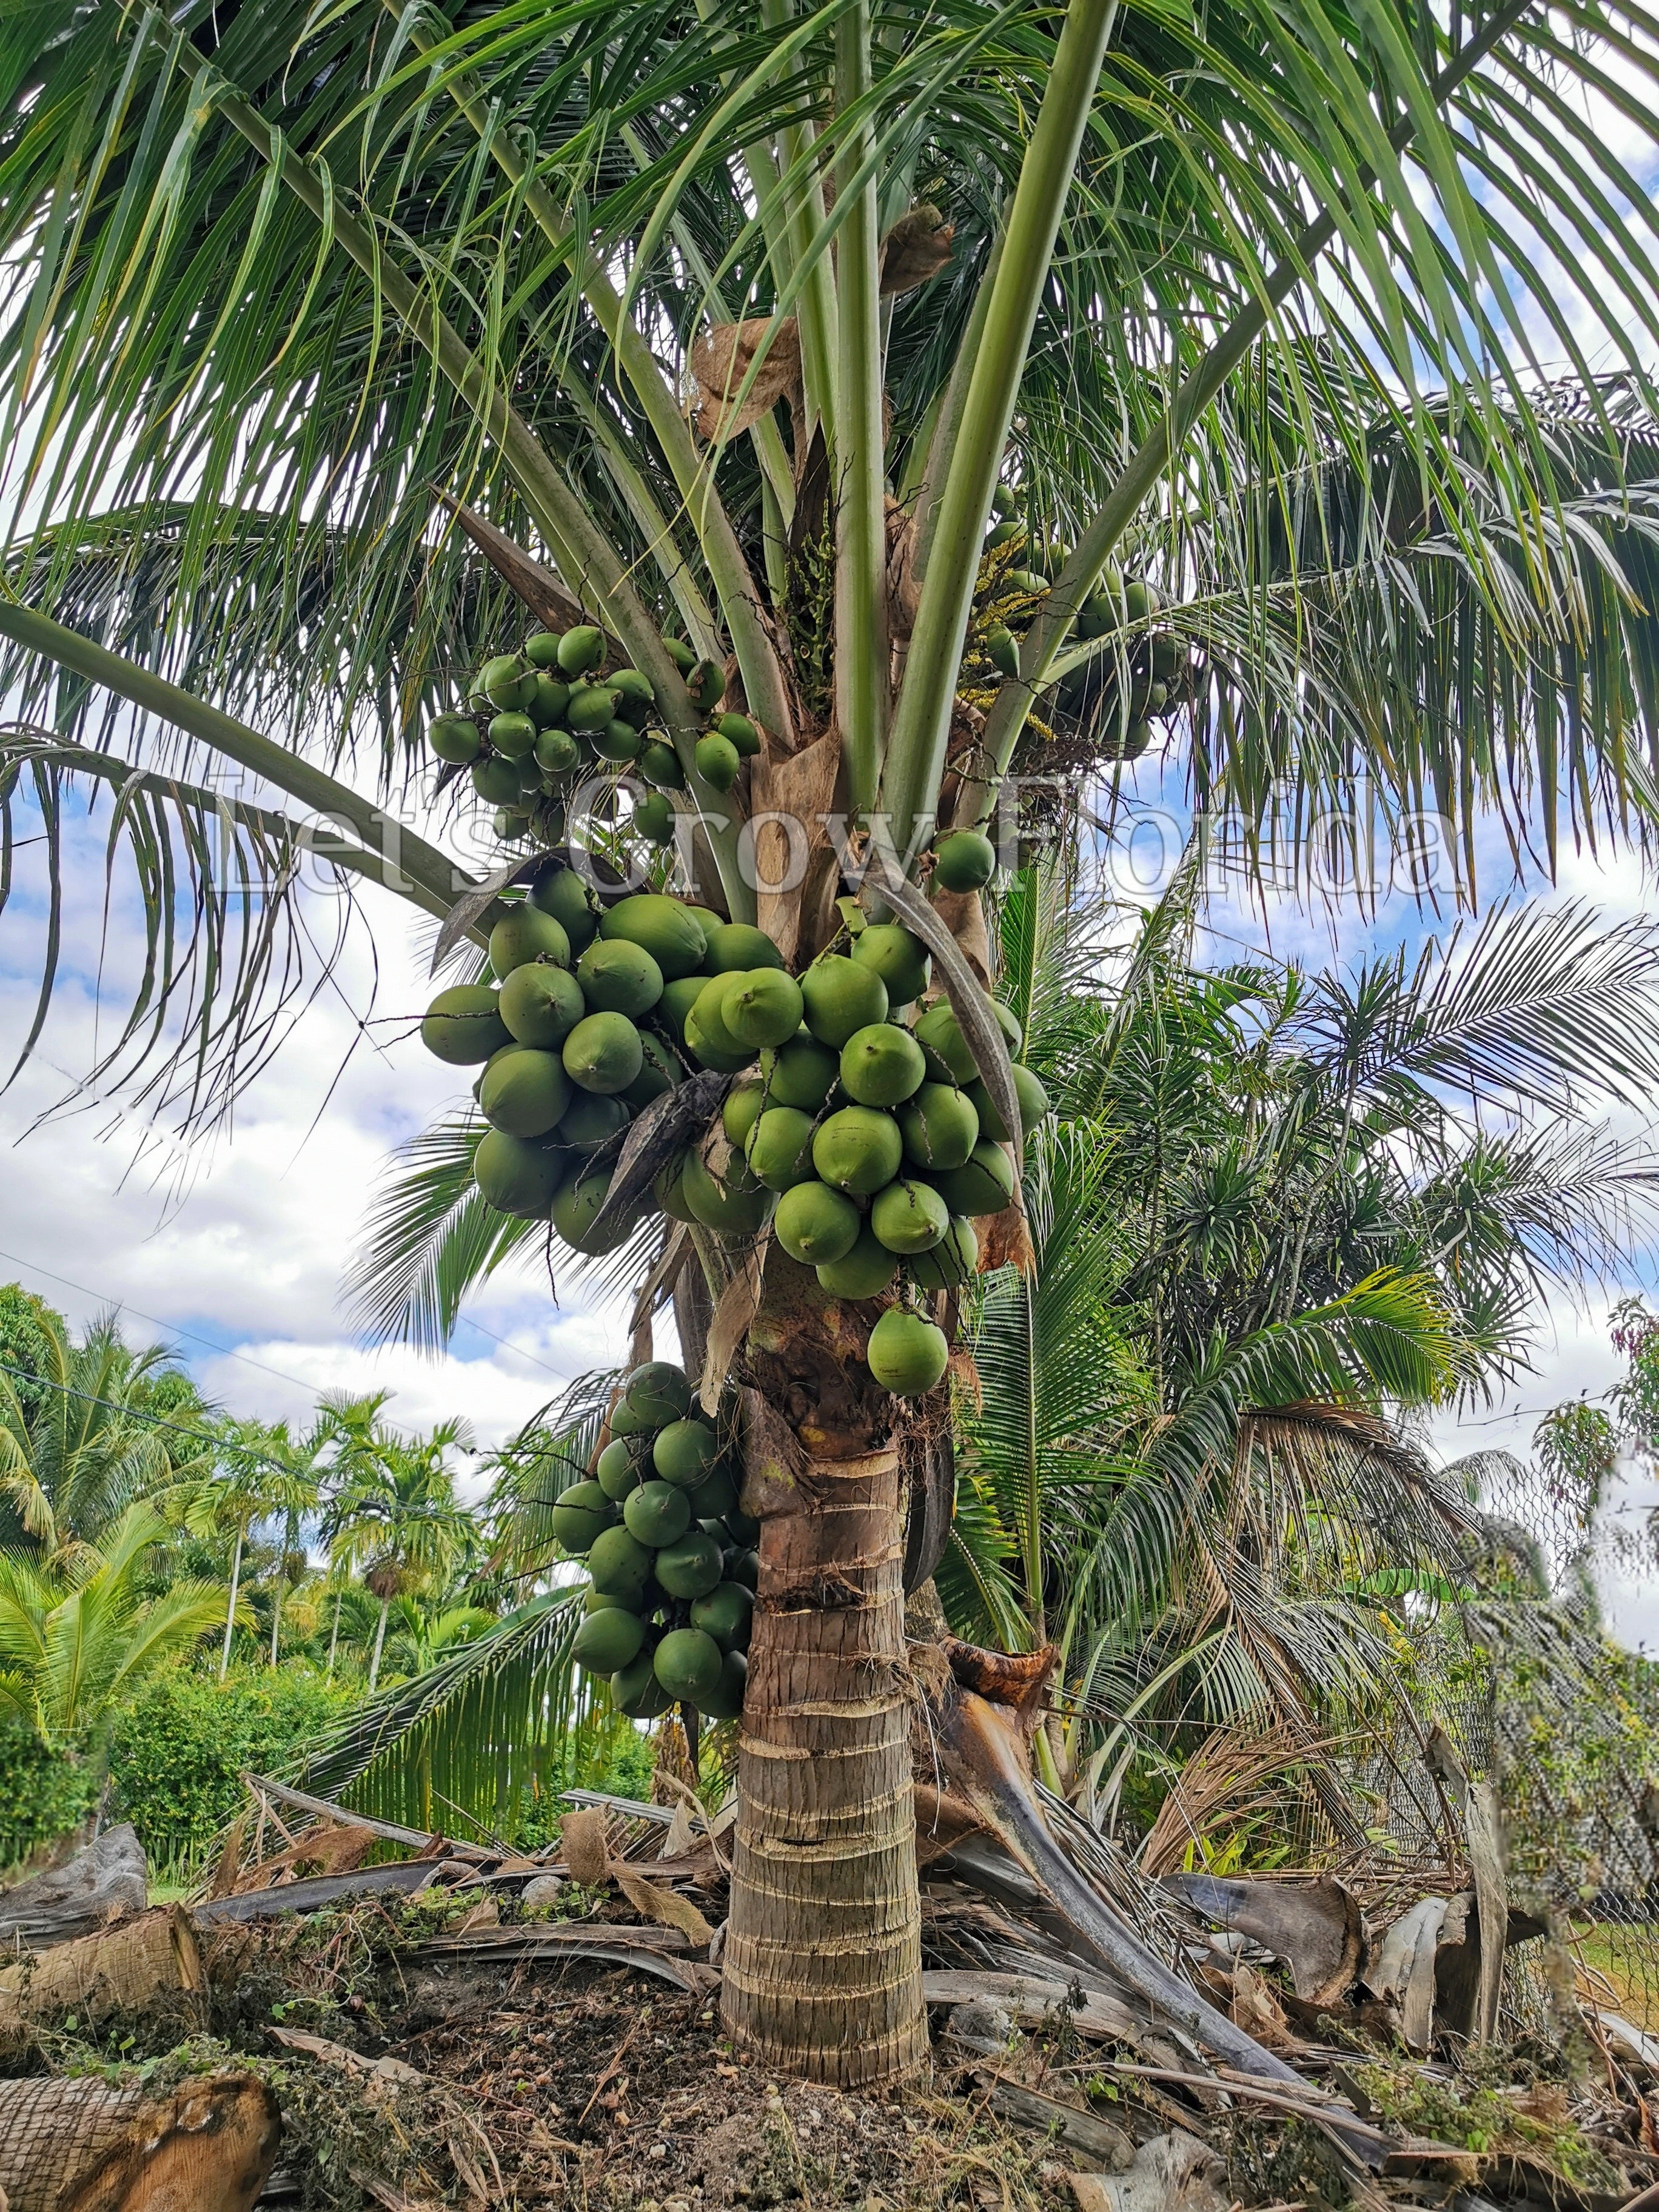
(541, 720)
(1121, 699)
(859, 1127)
(671, 1560)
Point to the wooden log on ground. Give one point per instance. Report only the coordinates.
(85, 2145)
(139, 1966)
(108, 1877)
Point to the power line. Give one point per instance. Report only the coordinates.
(201, 1437)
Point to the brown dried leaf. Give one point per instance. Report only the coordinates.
(740, 1304)
(665, 1906)
(721, 361)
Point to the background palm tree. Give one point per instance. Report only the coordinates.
(395, 1516)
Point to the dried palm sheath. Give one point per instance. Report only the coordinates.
(84, 2146)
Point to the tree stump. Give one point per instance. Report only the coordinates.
(83, 2146)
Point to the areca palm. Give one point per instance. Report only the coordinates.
(1231, 297)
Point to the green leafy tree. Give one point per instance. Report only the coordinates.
(1232, 299)
(395, 1516)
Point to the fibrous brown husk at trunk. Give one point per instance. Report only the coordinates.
(822, 1964)
(84, 2146)
(145, 1965)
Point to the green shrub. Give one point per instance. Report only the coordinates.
(43, 1792)
(180, 1748)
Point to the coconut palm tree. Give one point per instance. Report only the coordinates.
(395, 1517)
(304, 307)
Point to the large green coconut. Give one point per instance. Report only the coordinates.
(523, 1092)
(691, 1567)
(618, 1563)
(619, 977)
(939, 1126)
(898, 957)
(713, 1499)
(463, 1026)
(668, 1190)
(541, 1005)
(602, 1053)
(907, 1354)
(1033, 1105)
(659, 1390)
(574, 1207)
(660, 764)
(454, 737)
(950, 1057)
(513, 736)
(676, 1001)
(706, 1037)
(779, 1148)
(718, 761)
(802, 1073)
(863, 1272)
(580, 1516)
(858, 1150)
(657, 1513)
(953, 1261)
(688, 1665)
(735, 1203)
(984, 1184)
(744, 1103)
(636, 1691)
(725, 1701)
(596, 1602)
(761, 1007)
(745, 1568)
(552, 697)
(580, 649)
(618, 1468)
(662, 927)
(637, 698)
(728, 1614)
(617, 741)
(909, 1216)
(840, 997)
(516, 1177)
(736, 945)
(496, 781)
(882, 1064)
(561, 892)
(739, 731)
(557, 752)
(592, 707)
(591, 1120)
(815, 1225)
(541, 648)
(508, 684)
(625, 1421)
(608, 1640)
(966, 860)
(686, 1452)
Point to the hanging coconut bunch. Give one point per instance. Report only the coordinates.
(670, 1559)
(857, 1124)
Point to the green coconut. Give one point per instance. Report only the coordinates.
(596, 1602)
(691, 1567)
(636, 1691)
(966, 860)
(779, 1148)
(591, 1120)
(688, 1665)
(802, 1073)
(513, 736)
(713, 1500)
(516, 1177)
(659, 1390)
(506, 683)
(668, 1190)
(454, 737)
(940, 1126)
(626, 1422)
(725, 1701)
(761, 1007)
(898, 957)
(882, 1064)
(495, 780)
(840, 997)
(736, 947)
(953, 1261)
(858, 1150)
(718, 760)
(557, 752)
(907, 1354)
(463, 1026)
(734, 1203)
(580, 1516)
(1033, 1105)
(676, 1001)
(744, 1103)
(707, 684)
(983, 1184)
(618, 1563)
(739, 731)
(604, 1053)
(561, 892)
(660, 1073)
(619, 1469)
(580, 649)
(541, 1005)
(541, 648)
(743, 1528)
(525, 933)
(686, 1452)
(745, 1567)
(726, 1612)
(510, 825)
(593, 706)
(949, 1057)
(683, 656)
(909, 1216)
(815, 1225)
(638, 700)
(552, 697)
(660, 764)
(523, 1092)
(706, 1049)
(661, 926)
(657, 1513)
(863, 1271)
(574, 1207)
(1002, 647)
(608, 1640)
(618, 977)
(617, 741)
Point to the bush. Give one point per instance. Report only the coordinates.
(43, 1792)
(180, 1750)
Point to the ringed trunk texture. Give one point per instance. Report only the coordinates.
(822, 1968)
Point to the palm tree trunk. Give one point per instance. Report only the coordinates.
(230, 1610)
(380, 1644)
(334, 1634)
(822, 1971)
